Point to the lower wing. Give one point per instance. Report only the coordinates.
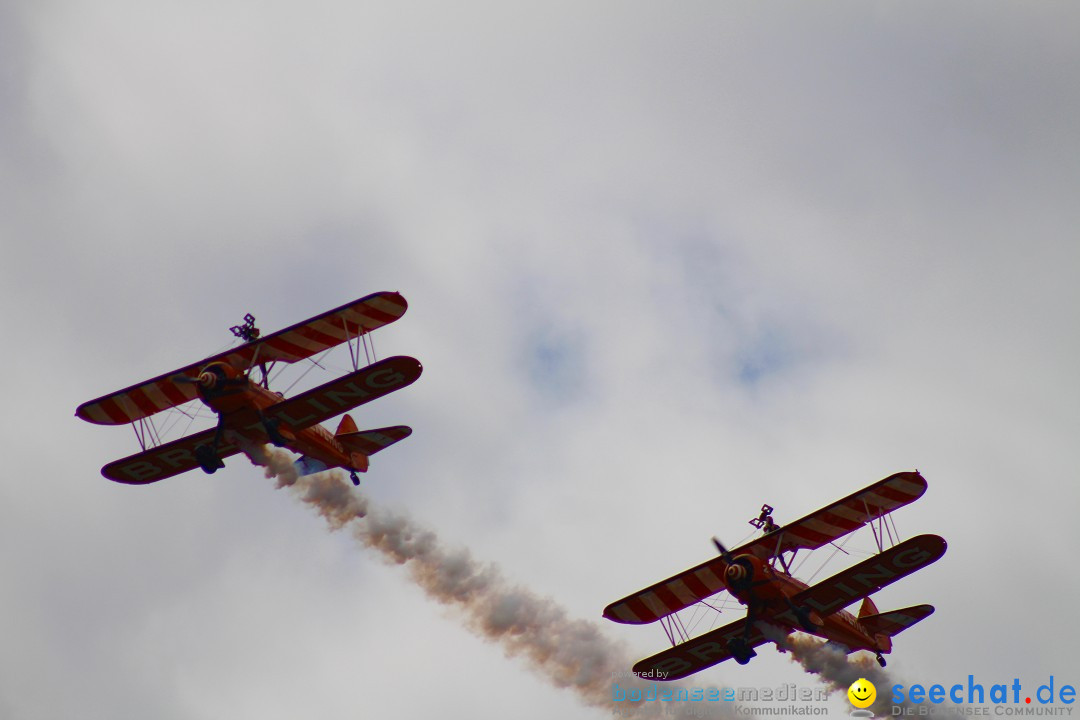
(698, 653)
(166, 460)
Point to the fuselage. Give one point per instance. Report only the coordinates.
(240, 404)
(769, 595)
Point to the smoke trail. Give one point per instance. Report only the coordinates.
(839, 670)
(570, 653)
(836, 668)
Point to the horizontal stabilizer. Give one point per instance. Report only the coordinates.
(897, 621)
(370, 442)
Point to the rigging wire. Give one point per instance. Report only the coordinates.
(314, 364)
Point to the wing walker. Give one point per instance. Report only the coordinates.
(250, 414)
(758, 574)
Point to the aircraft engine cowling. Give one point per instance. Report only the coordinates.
(215, 378)
(741, 572)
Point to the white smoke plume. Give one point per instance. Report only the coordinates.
(570, 653)
(839, 670)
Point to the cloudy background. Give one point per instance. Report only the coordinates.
(665, 262)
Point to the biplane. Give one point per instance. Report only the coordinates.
(250, 414)
(758, 574)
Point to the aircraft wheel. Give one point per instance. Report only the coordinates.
(271, 427)
(803, 615)
(208, 459)
(881, 660)
(355, 478)
(740, 651)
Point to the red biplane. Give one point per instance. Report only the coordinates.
(777, 603)
(250, 414)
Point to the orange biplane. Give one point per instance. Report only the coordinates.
(250, 414)
(777, 603)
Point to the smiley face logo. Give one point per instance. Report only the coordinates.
(862, 693)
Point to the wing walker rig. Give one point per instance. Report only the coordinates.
(249, 414)
(759, 575)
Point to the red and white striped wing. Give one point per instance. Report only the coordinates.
(289, 345)
(669, 596)
(842, 517)
(698, 653)
(811, 532)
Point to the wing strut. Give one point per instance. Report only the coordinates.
(371, 341)
(354, 351)
(354, 354)
(674, 628)
(882, 529)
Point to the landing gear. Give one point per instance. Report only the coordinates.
(270, 425)
(208, 459)
(881, 660)
(741, 651)
(354, 477)
(207, 456)
(805, 622)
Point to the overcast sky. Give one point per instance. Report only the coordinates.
(665, 262)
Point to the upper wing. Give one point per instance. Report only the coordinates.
(869, 576)
(698, 653)
(669, 596)
(166, 460)
(345, 393)
(813, 531)
(289, 345)
(842, 517)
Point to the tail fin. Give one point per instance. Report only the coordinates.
(347, 425)
(895, 622)
(867, 608)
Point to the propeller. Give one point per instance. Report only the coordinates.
(206, 379)
(722, 550)
(739, 572)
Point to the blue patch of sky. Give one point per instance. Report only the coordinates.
(556, 366)
(752, 333)
(766, 354)
(552, 348)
